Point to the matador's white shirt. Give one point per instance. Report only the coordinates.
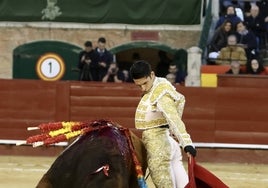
(163, 105)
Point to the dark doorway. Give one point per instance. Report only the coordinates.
(146, 50)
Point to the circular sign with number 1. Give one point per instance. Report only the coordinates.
(50, 67)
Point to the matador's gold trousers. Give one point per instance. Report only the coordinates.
(164, 159)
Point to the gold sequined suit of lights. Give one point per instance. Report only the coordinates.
(162, 105)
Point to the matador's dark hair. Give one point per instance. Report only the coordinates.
(140, 69)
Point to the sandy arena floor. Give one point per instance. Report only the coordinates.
(25, 172)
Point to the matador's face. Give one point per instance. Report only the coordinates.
(145, 83)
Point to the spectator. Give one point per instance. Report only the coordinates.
(255, 66)
(263, 6)
(179, 75)
(237, 3)
(219, 40)
(229, 15)
(247, 8)
(163, 64)
(255, 23)
(235, 68)
(88, 63)
(104, 57)
(247, 39)
(113, 74)
(231, 52)
(180, 59)
(242, 6)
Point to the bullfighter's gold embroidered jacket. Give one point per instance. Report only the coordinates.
(163, 105)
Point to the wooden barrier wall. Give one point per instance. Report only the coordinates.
(221, 115)
(242, 80)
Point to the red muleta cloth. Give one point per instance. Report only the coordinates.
(199, 177)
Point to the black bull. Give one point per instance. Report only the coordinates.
(99, 159)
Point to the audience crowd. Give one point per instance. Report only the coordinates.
(240, 36)
(98, 65)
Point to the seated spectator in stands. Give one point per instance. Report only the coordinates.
(88, 63)
(163, 64)
(237, 3)
(235, 68)
(263, 6)
(104, 57)
(230, 15)
(219, 40)
(246, 39)
(232, 52)
(179, 75)
(255, 66)
(255, 23)
(113, 74)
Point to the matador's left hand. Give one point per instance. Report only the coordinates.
(190, 150)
